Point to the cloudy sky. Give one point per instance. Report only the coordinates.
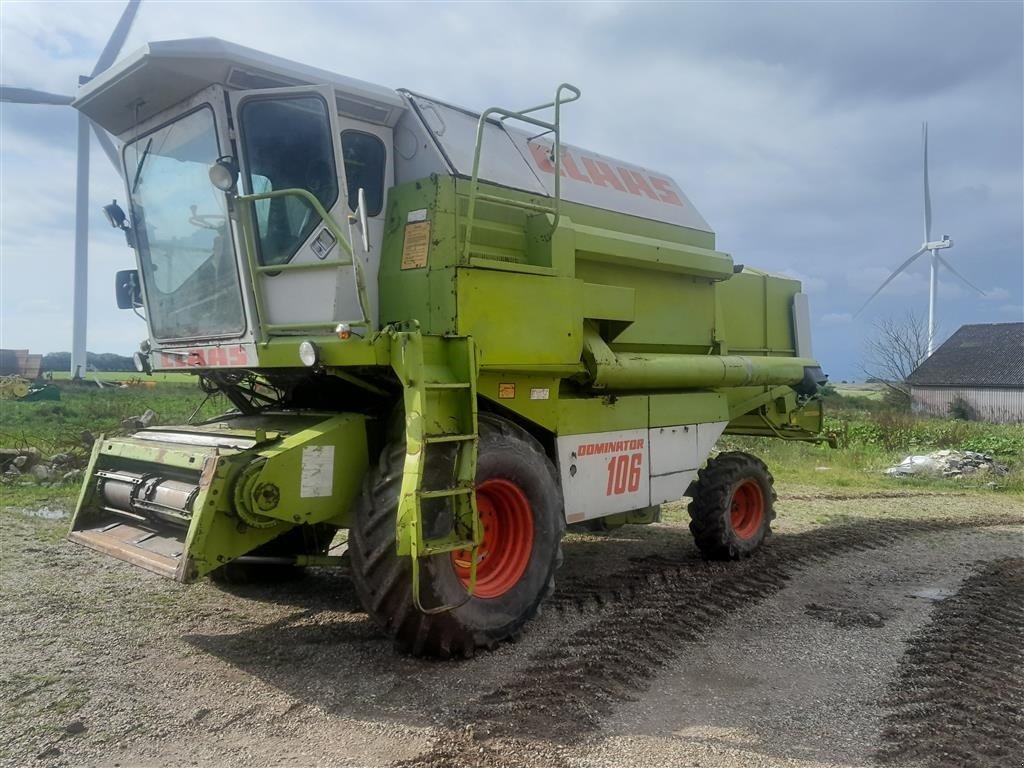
(794, 128)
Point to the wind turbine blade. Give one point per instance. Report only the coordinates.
(108, 148)
(32, 96)
(949, 266)
(927, 191)
(889, 279)
(117, 38)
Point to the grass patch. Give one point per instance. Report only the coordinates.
(177, 377)
(57, 426)
(872, 436)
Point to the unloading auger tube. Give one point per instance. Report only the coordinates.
(632, 371)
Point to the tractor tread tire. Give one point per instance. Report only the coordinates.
(383, 580)
(710, 521)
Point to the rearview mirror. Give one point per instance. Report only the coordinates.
(359, 218)
(127, 289)
(115, 215)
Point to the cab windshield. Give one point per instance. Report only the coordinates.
(188, 265)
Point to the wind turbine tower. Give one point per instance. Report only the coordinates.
(932, 247)
(79, 304)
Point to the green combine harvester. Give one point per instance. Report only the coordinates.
(448, 333)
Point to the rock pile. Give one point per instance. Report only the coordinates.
(948, 464)
(29, 467)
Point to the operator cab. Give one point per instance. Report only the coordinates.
(209, 269)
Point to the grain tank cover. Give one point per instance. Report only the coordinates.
(520, 159)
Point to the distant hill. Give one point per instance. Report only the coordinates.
(94, 361)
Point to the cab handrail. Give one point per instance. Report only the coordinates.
(251, 250)
(522, 115)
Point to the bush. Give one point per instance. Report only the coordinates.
(961, 410)
(896, 431)
(897, 400)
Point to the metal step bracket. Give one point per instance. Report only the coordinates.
(438, 375)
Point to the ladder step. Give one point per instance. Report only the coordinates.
(447, 385)
(448, 438)
(462, 490)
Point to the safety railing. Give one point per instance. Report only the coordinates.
(524, 116)
(246, 223)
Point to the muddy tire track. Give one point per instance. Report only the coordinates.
(649, 614)
(958, 699)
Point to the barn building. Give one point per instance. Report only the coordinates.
(982, 366)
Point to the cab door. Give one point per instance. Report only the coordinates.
(366, 149)
(290, 138)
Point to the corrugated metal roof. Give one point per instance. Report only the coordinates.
(989, 355)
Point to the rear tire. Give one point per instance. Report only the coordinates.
(733, 506)
(520, 503)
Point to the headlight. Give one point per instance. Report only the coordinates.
(141, 360)
(224, 173)
(309, 354)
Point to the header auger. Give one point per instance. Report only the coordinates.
(448, 334)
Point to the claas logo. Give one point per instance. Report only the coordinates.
(591, 170)
(205, 357)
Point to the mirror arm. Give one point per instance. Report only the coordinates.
(359, 218)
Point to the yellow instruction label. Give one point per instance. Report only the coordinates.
(416, 245)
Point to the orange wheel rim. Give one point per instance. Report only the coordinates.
(507, 520)
(747, 509)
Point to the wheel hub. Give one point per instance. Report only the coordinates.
(504, 553)
(747, 509)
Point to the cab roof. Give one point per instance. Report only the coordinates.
(161, 74)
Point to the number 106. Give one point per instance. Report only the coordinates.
(624, 473)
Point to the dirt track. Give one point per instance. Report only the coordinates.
(869, 631)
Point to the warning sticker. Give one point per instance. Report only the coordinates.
(417, 242)
(540, 393)
(317, 474)
(507, 391)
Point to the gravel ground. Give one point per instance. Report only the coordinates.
(872, 629)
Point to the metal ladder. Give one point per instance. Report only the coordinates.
(438, 376)
(524, 115)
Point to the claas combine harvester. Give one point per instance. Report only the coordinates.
(448, 333)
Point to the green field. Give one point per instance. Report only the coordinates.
(126, 376)
(57, 426)
(870, 436)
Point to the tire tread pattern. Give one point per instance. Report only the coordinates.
(383, 581)
(710, 506)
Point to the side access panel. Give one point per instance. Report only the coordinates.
(633, 458)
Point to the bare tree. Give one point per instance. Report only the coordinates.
(895, 349)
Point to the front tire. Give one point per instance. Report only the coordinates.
(733, 506)
(520, 506)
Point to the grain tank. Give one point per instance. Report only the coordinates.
(445, 336)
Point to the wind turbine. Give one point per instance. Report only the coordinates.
(928, 246)
(81, 270)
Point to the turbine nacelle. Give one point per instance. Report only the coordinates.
(936, 245)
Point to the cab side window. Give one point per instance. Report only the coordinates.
(287, 144)
(365, 162)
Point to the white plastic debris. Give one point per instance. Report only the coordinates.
(915, 465)
(947, 464)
